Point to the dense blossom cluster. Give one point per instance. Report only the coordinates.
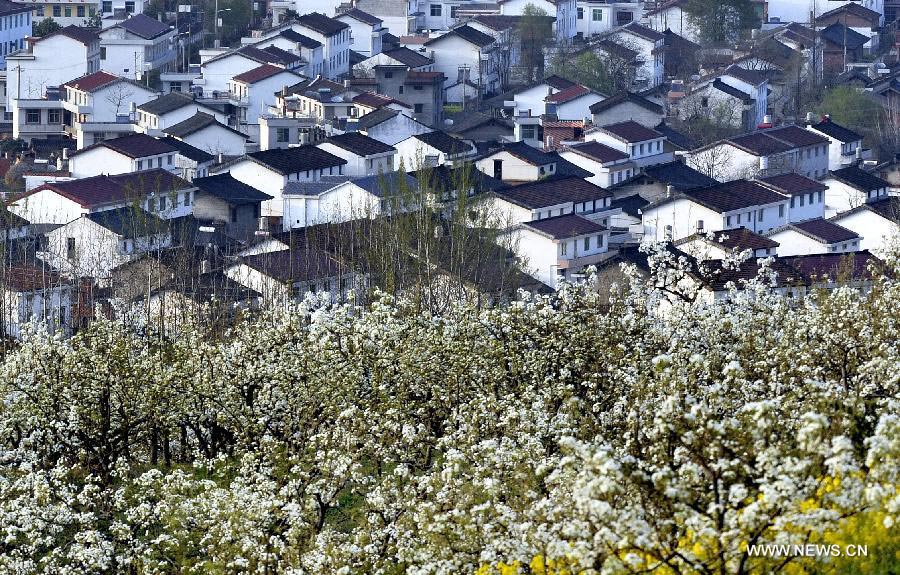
(577, 434)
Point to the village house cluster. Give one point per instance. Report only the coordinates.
(155, 166)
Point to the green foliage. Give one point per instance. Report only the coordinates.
(607, 75)
(535, 32)
(852, 108)
(44, 27)
(721, 21)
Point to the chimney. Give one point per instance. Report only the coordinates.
(763, 164)
(220, 158)
(859, 158)
(284, 90)
(670, 191)
(59, 163)
(810, 117)
(826, 118)
(767, 119)
(65, 155)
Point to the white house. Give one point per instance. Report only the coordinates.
(814, 237)
(136, 46)
(564, 11)
(517, 162)
(334, 36)
(642, 144)
(845, 147)
(204, 131)
(99, 106)
(132, 153)
(15, 27)
(553, 249)
(464, 53)
(850, 188)
(217, 72)
(572, 103)
(34, 293)
(595, 17)
(875, 222)
(254, 89)
(271, 170)
(365, 156)
(715, 208)
(310, 51)
(650, 45)
(671, 15)
(626, 106)
(49, 61)
(63, 12)
(156, 116)
(390, 126)
(157, 191)
(807, 195)
(432, 149)
(366, 197)
(548, 198)
(767, 153)
(609, 165)
(366, 31)
(724, 244)
(96, 242)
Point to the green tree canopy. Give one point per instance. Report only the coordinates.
(718, 21)
(45, 26)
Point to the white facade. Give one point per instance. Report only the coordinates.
(51, 305)
(364, 38)
(875, 230)
(335, 52)
(155, 124)
(551, 260)
(271, 182)
(806, 206)
(217, 139)
(47, 207)
(413, 152)
(104, 112)
(606, 174)
(103, 160)
(396, 129)
(840, 197)
(15, 27)
(646, 153)
(52, 61)
(841, 154)
(513, 168)
(359, 166)
(563, 10)
(344, 202)
(256, 96)
(682, 217)
(452, 54)
(128, 55)
(794, 243)
(672, 17)
(218, 72)
(650, 53)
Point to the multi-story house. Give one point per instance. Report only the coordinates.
(650, 46)
(877, 222)
(136, 46)
(63, 12)
(845, 145)
(206, 132)
(671, 15)
(851, 187)
(762, 154)
(398, 16)
(599, 16)
(15, 27)
(157, 115)
(609, 165)
(122, 8)
(50, 61)
(100, 106)
(466, 55)
(366, 31)
(422, 90)
(563, 10)
(816, 236)
(310, 51)
(335, 38)
(644, 146)
(253, 90)
(132, 153)
(807, 195)
(737, 97)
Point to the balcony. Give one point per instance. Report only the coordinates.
(217, 97)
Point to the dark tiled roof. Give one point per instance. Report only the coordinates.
(301, 264)
(679, 175)
(792, 184)
(887, 207)
(376, 117)
(145, 26)
(310, 88)
(443, 178)
(102, 190)
(630, 205)
(292, 160)
(322, 23)
(129, 222)
(468, 34)
(525, 152)
(644, 32)
(719, 275)
(837, 33)
(557, 82)
(836, 131)
(568, 94)
(359, 144)
(822, 230)
(188, 151)
(361, 16)
(132, 145)
(27, 276)
(167, 103)
(387, 184)
(444, 142)
(615, 49)
(499, 22)
(599, 152)
(227, 188)
(554, 191)
(409, 57)
(622, 98)
(7, 8)
(854, 265)
(425, 78)
(92, 82)
(86, 36)
(797, 136)
(759, 144)
(630, 131)
(472, 120)
(566, 226)
(859, 179)
(853, 9)
(196, 123)
(374, 100)
(744, 239)
(734, 195)
(731, 91)
(752, 77)
(304, 41)
(283, 56)
(258, 74)
(674, 137)
(355, 57)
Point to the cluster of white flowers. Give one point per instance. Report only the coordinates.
(589, 433)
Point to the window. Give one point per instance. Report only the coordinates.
(129, 7)
(107, 6)
(704, 102)
(32, 116)
(759, 215)
(79, 11)
(187, 199)
(103, 52)
(820, 197)
(597, 15)
(388, 74)
(282, 134)
(151, 205)
(563, 248)
(67, 11)
(158, 162)
(419, 108)
(600, 241)
(587, 243)
(70, 248)
(780, 210)
(792, 201)
(581, 13)
(169, 159)
(57, 11)
(812, 196)
(528, 132)
(417, 87)
(801, 200)
(453, 11)
(39, 11)
(54, 116)
(162, 203)
(641, 147)
(435, 9)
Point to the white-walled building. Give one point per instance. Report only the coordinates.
(876, 222)
(334, 36)
(565, 12)
(156, 116)
(35, 294)
(64, 12)
(643, 145)
(432, 149)
(609, 165)
(671, 15)
(311, 51)
(365, 156)
(465, 53)
(850, 188)
(204, 131)
(136, 46)
(517, 162)
(814, 237)
(715, 208)
(649, 44)
(572, 103)
(548, 198)
(254, 89)
(390, 126)
(845, 147)
(727, 243)
(626, 106)
(599, 17)
(132, 153)
(366, 31)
